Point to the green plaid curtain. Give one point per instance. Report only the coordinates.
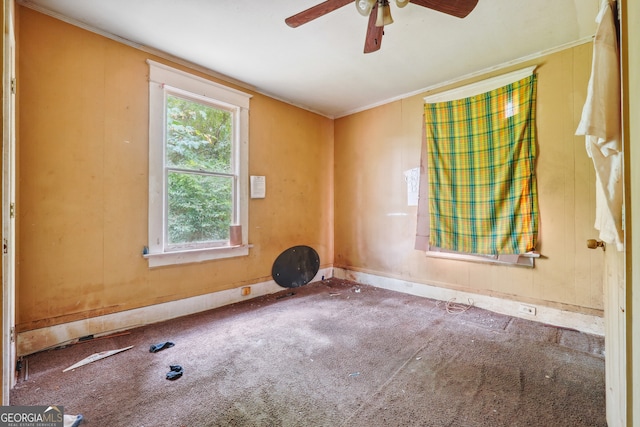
(480, 162)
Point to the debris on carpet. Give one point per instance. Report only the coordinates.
(160, 346)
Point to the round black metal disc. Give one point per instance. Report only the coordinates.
(295, 267)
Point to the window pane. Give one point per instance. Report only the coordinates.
(199, 136)
(200, 208)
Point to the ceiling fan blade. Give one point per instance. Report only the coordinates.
(373, 39)
(315, 12)
(458, 8)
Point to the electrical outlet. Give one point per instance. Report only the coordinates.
(245, 291)
(527, 309)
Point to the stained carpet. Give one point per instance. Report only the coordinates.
(335, 353)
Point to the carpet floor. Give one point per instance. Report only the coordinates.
(331, 353)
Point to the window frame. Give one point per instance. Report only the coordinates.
(165, 80)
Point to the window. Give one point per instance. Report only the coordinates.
(478, 197)
(198, 161)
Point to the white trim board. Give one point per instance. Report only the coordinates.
(552, 316)
(29, 342)
(479, 87)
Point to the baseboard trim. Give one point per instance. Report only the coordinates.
(35, 340)
(548, 315)
(32, 341)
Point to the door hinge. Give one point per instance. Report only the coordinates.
(13, 85)
(5, 246)
(12, 210)
(12, 334)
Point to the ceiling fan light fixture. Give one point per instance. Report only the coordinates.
(365, 6)
(384, 14)
(402, 3)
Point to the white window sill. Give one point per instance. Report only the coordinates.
(522, 260)
(195, 255)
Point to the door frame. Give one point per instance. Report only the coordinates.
(8, 203)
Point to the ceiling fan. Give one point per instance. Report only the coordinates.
(380, 14)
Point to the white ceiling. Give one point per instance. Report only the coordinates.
(320, 65)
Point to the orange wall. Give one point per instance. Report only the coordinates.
(83, 182)
(375, 229)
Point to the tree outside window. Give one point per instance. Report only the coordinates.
(200, 175)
